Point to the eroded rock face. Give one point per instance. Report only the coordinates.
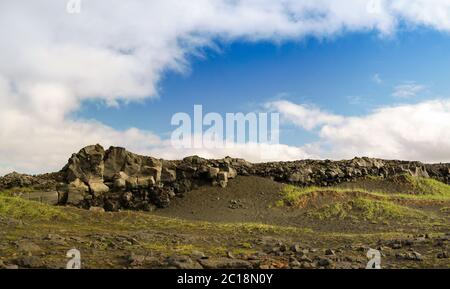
(86, 165)
(42, 182)
(117, 179)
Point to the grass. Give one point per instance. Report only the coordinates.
(421, 189)
(362, 204)
(11, 192)
(292, 194)
(17, 208)
(367, 209)
(430, 187)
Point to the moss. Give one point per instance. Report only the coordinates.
(17, 208)
(13, 191)
(158, 247)
(428, 186)
(246, 245)
(291, 195)
(424, 188)
(445, 210)
(364, 208)
(243, 251)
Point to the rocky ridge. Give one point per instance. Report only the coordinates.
(116, 179)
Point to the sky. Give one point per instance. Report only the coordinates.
(348, 78)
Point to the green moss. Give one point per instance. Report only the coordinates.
(445, 210)
(366, 209)
(157, 247)
(292, 194)
(429, 186)
(11, 192)
(421, 189)
(17, 208)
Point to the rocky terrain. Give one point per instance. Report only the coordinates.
(123, 210)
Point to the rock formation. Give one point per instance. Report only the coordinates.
(117, 179)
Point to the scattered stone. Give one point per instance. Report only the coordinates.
(28, 247)
(305, 259)
(411, 256)
(443, 255)
(295, 264)
(7, 266)
(29, 262)
(330, 252)
(324, 262)
(236, 204)
(183, 262)
(96, 209)
(198, 255)
(224, 263)
(296, 248)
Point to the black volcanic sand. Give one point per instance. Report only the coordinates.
(240, 226)
(253, 199)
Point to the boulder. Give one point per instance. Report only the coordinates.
(97, 209)
(145, 182)
(115, 160)
(97, 187)
(76, 192)
(222, 178)
(154, 172)
(195, 160)
(168, 175)
(132, 165)
(213, 172)
(294, 178)
(120, 181)
(86, 164)
(131, 183)
(231, 172)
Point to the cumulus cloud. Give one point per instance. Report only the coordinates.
(115, 50)
(305, 116)
(411, 132)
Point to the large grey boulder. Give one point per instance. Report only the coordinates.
(87, 164)
(75, 192)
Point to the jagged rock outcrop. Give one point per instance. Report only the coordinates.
(42, 182)
(118, 179)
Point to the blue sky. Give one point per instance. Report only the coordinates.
(349, 75)
(348, 78)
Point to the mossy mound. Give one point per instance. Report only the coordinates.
(17, 208)
(365, 209)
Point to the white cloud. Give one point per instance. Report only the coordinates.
(411, 132)
(118, 50)
(377, 78)
(305, 116)
(408, 90)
